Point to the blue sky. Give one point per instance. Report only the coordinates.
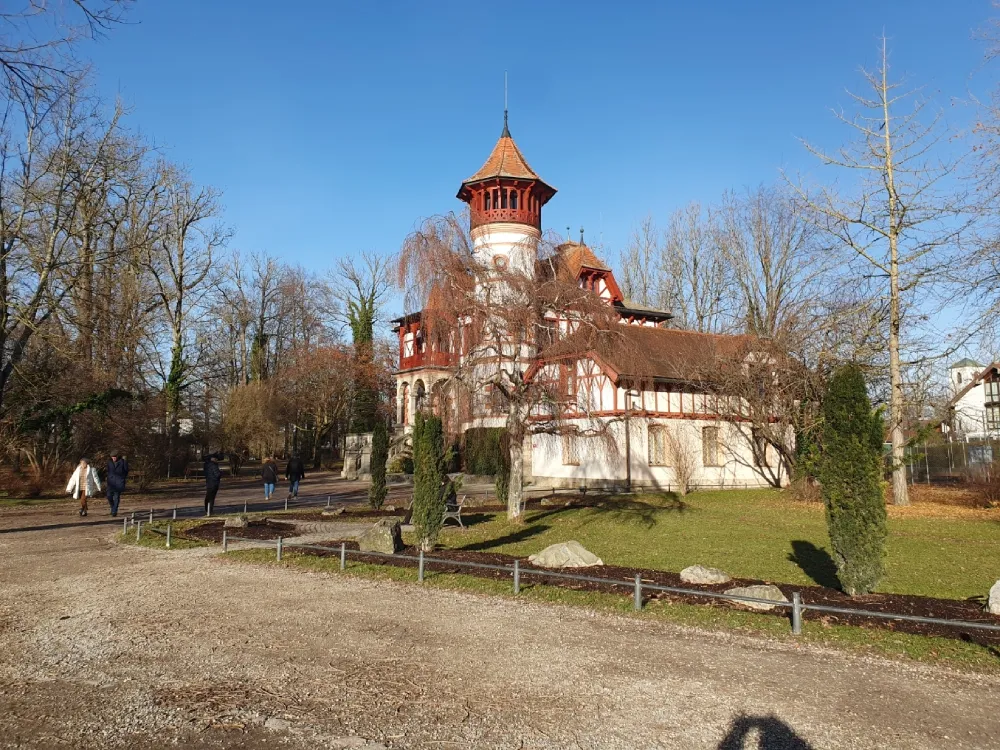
(332, 128)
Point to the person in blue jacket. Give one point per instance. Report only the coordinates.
(117, 474)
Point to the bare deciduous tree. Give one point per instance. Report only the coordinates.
(899, 222)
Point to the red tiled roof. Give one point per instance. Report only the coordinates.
(642, 352)
(506, 160)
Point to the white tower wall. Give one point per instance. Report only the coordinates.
(516, 243)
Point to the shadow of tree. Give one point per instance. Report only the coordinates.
(772, 734)
(815, 562)
(523, 533)
(620, 509)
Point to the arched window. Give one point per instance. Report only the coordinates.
(487, 204)
(503, 198)
(496, 198)
(958, 378)
(513, 199)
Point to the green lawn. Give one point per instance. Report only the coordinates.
(750, 534)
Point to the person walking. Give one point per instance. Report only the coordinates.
(83, 484)
(213, 477)
(269, 473)
(117, 474)
(295, 472)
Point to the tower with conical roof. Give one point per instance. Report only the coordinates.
(505, 199)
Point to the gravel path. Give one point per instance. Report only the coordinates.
(118, 647)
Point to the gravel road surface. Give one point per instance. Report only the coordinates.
(105, 646)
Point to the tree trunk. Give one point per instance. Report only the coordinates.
(900, 492)
(515, 489)
(516, 434)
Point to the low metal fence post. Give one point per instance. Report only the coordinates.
(796, 613)
(168, 535)
(244, 507)
(138, 530)
(175, 512)
(278, 549)
(225, 541)
(420, 568)
(286, 502)
(517, 577)
(150, 515)
(124, 525)
(637, 596)
(327, 501)
(343, 556)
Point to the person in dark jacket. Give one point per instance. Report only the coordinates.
(117, 474)
(269, 472)
(213, 477)
(295, 472)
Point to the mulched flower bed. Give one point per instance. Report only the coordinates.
(265, 529)
(969, 610)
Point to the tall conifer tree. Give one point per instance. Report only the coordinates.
(851, 478)
(428, 479)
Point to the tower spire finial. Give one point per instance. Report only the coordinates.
(506, 131)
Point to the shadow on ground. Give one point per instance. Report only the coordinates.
(619, 509)
(772, 734)
(815, 562)
(523, 533)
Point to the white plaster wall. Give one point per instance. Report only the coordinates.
(518, 242)
(602, 458)
(970, 412)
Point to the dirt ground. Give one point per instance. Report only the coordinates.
(108, 646)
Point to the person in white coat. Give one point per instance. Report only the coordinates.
(83, 484)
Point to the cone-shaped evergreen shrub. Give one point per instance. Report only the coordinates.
(380, 455)
(850, 474)
(428, 479)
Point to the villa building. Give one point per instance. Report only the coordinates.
(661, 414)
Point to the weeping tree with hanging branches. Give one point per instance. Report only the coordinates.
(497, 324)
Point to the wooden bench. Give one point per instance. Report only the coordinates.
(451, 510)
(454, 511)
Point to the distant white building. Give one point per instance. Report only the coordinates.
(974, 408)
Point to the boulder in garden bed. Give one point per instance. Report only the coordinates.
(237, 522)
(703, 575)
(760, 591)
(332, 512)
(570, 554)
(384, 536)
(993, 603)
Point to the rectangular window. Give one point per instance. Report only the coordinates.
(710, 446)
(408, 345)
(570, 457)
(658, 453)
(993, 391)
(993, 417)
(759, 448)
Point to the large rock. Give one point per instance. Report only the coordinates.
(993, 603)
(385, 536)
(565, 555)
(236, 522)
(761, 591)
(701, 574)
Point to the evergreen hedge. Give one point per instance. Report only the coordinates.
(850, 473)
(483, 454)
(428, 479)
(380, 455)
